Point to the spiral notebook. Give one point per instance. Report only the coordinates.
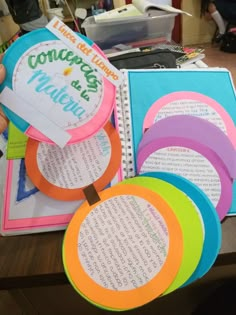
(150, 95)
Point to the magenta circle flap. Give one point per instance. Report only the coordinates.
(197, 129)
(225, 199)
(194, 104)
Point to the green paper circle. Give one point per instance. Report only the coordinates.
(190, 222)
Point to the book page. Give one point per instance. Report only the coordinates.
(145, 6)
(142, 5)
(126, 11)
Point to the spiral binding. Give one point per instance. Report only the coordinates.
(125, 129)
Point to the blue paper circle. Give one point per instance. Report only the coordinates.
(212, 226)
(12, 56)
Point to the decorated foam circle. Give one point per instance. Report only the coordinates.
(63, 173)
(210, 219)
(120, 253)
(190, 222)
(191, 103)
(62, 86)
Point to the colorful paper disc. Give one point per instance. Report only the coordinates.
(198, 130)
(120, 253)
(63, 173)
(210, 219)
(57, 84)
(190, 222)
(178, 145)
(191, 103)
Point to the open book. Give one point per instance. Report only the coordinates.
(138, 9)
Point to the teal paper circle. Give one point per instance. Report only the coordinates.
(12, 56)
(212, 225)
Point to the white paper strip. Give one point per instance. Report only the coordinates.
(80, 47)
(34, 117)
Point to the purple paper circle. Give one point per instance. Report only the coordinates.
(197, 129)
(225, 199)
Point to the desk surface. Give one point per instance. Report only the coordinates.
(36, 260)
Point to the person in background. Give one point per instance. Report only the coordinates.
(221, 11)
(3, 118)
(27, 14)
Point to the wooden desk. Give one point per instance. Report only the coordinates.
(31, 260)
(36, 260)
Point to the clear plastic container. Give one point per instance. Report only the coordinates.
(113, 32)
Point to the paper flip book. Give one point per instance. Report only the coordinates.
(149, 96)
(174, 145)
(119, 248)
(124, 218)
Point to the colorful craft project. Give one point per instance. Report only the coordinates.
(191, 103)
(63, 174)
(174, 146)
(208, 214)
(120, 253)
(186, 212)
(147, 96)
(58, 94)
(181, 147)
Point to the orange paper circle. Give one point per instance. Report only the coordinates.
(112, 298)
(69, 194)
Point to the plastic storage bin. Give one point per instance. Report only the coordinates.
(110, 33)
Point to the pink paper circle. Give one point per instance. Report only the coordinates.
(185, 95)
